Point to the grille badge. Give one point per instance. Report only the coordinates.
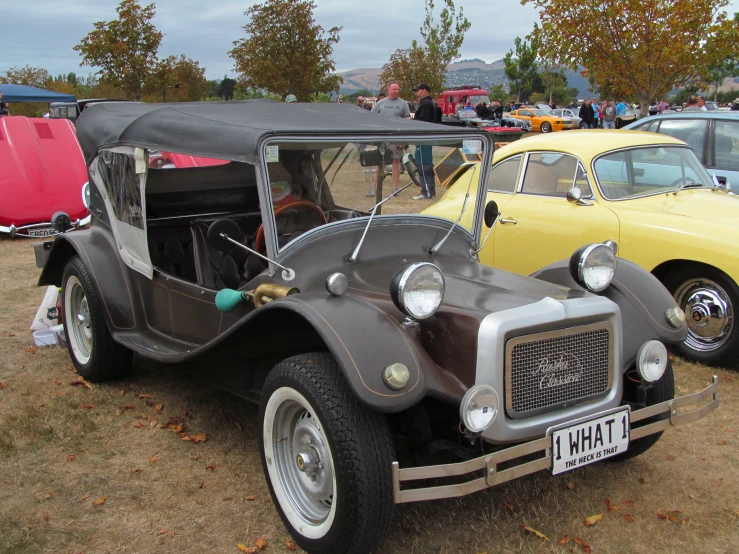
(556, 372)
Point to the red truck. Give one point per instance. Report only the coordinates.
(452, 97)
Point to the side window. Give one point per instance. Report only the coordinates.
(581, 182)
(504, 176)
(726, 145)
(692, 131)
(526, 113)
(123, 186)
(549, 174)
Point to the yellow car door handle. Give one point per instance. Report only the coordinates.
(508, 220)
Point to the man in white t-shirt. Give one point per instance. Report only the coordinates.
(394, 106)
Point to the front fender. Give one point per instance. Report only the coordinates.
(643, 301)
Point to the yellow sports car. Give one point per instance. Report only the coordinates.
(541, 120)
(646, 192)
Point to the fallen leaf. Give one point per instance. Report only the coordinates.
(246, 549)
(238, 426)
(671, 456)
(592, 520)
(736, 512)
(153, 459)
(727, 429)
(158, 408)
(99, 502)
(702, 459)
(202, 484)
(136, 469)
(144, 395)
(564, 540)
(57, 381)
(226, 499)
(163, 532)
(87, 406)
(178, 429)
(123, 391)
(46, 516)
(508, 506)
(570, 485)
(721, 443)
(535, 532)
(70, 457)
(196, 458)
(582, 544)
(138, 425)
(48, 496)
(9, 334)
(172, 534)
(671, 515)
(85, 497)
(153, 423)
(202, 437)
(260, 543)
(289, 545)
(3, 385)
(42, 405)
(642, 480)
(628, 518)
(628, 503)
(685, 521)
(126, 407)
(720, 480)
(251, 498)
(211, 467)
(31, 350)
(611, 507)
(142, 416)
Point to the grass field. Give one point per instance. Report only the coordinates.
(92, 470)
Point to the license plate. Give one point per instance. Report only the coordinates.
(41, 232)
(582, 442)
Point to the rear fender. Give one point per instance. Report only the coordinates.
(643, 301)
(97, 251)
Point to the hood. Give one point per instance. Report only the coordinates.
(702, 204)
(42, 170)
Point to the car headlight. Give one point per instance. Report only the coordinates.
(86, 195)
(593, 266)
(651, 361)
(418, 289)
(479, 408)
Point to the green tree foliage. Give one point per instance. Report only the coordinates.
(499, 94)
(286, 51)
(125, 48)
(428, 63)
(637, 48)
(724, 62)
(553, 79)
(521, 66)
(180, 79)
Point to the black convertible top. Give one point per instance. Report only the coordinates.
(231, 130)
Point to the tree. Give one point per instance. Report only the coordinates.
(125, 49)
(226, 88)
(723, 62)
(498, 94)
(552, 77)
(285, 51)
(27, 75)
(639, 48)
(521, 67)
(428, 63)
(179, 79)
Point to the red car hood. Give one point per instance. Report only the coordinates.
(42, 170)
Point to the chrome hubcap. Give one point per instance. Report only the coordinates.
(708, 313)
(303, 461)
(79, 324)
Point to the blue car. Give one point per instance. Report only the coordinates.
(713, 136)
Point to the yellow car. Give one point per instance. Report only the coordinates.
(646, 192)
(541, 120)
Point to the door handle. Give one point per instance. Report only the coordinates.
(505, 220)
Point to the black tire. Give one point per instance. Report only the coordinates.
(412, 169)
(722, 352)
(546, 127)
(661, 391)
(106, 358)
(360, 447)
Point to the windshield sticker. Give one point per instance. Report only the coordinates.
(471, 146)
(273, 153)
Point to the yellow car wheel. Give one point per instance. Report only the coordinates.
(546, 127)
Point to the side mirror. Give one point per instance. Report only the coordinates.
(574, 195)
(61, 222)
(491, 213)
(722, 180)
(220, 231)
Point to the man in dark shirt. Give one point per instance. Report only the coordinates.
(587, 114)
(426, 111)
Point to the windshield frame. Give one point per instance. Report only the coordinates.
(265, 199)
(596, 178)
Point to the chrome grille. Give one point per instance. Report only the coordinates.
(548, 369)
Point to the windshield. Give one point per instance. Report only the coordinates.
(649, 170)
(318, 183)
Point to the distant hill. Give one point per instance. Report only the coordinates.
(463, 72)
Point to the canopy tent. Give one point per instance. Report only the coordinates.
(23, 93)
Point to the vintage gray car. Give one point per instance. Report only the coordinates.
(389, 365)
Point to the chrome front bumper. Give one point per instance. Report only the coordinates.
(23, 230)
(490, 462)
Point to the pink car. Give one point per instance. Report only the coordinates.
(42, 173)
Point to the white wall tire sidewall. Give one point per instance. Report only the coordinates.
(304, 528)
(69, 286)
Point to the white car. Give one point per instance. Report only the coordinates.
(566, 113)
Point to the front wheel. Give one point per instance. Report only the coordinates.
(327, 458)
(709, 299)
(95, 355)
(546, 127)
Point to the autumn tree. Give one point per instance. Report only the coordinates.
(286, 51)
(125, 49)
(640, 48)
(428, 62)
(30, 76)
(179, 79)
(723, 59)
(520, 66)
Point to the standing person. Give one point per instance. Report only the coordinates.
(620, 107)
(587, 114)
(394, 106)
(424, 155)
(511, 106)
(596, 114)
(702, 103)
(609, 115)
(4, 109)
(693, 104)
(360, 102)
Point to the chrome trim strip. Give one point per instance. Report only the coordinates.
(489, 462)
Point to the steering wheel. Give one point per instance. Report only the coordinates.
(298, 205)
(679, 180)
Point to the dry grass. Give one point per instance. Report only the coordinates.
(693, 469)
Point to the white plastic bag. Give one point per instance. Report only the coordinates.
(47, 315)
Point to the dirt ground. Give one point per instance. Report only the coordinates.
(91, 470)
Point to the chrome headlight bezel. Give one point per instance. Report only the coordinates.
(651, 361)
(402, 285)
(590, 254)
(86, 195)
(479, 408)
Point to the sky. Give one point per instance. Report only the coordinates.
(42, 33)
